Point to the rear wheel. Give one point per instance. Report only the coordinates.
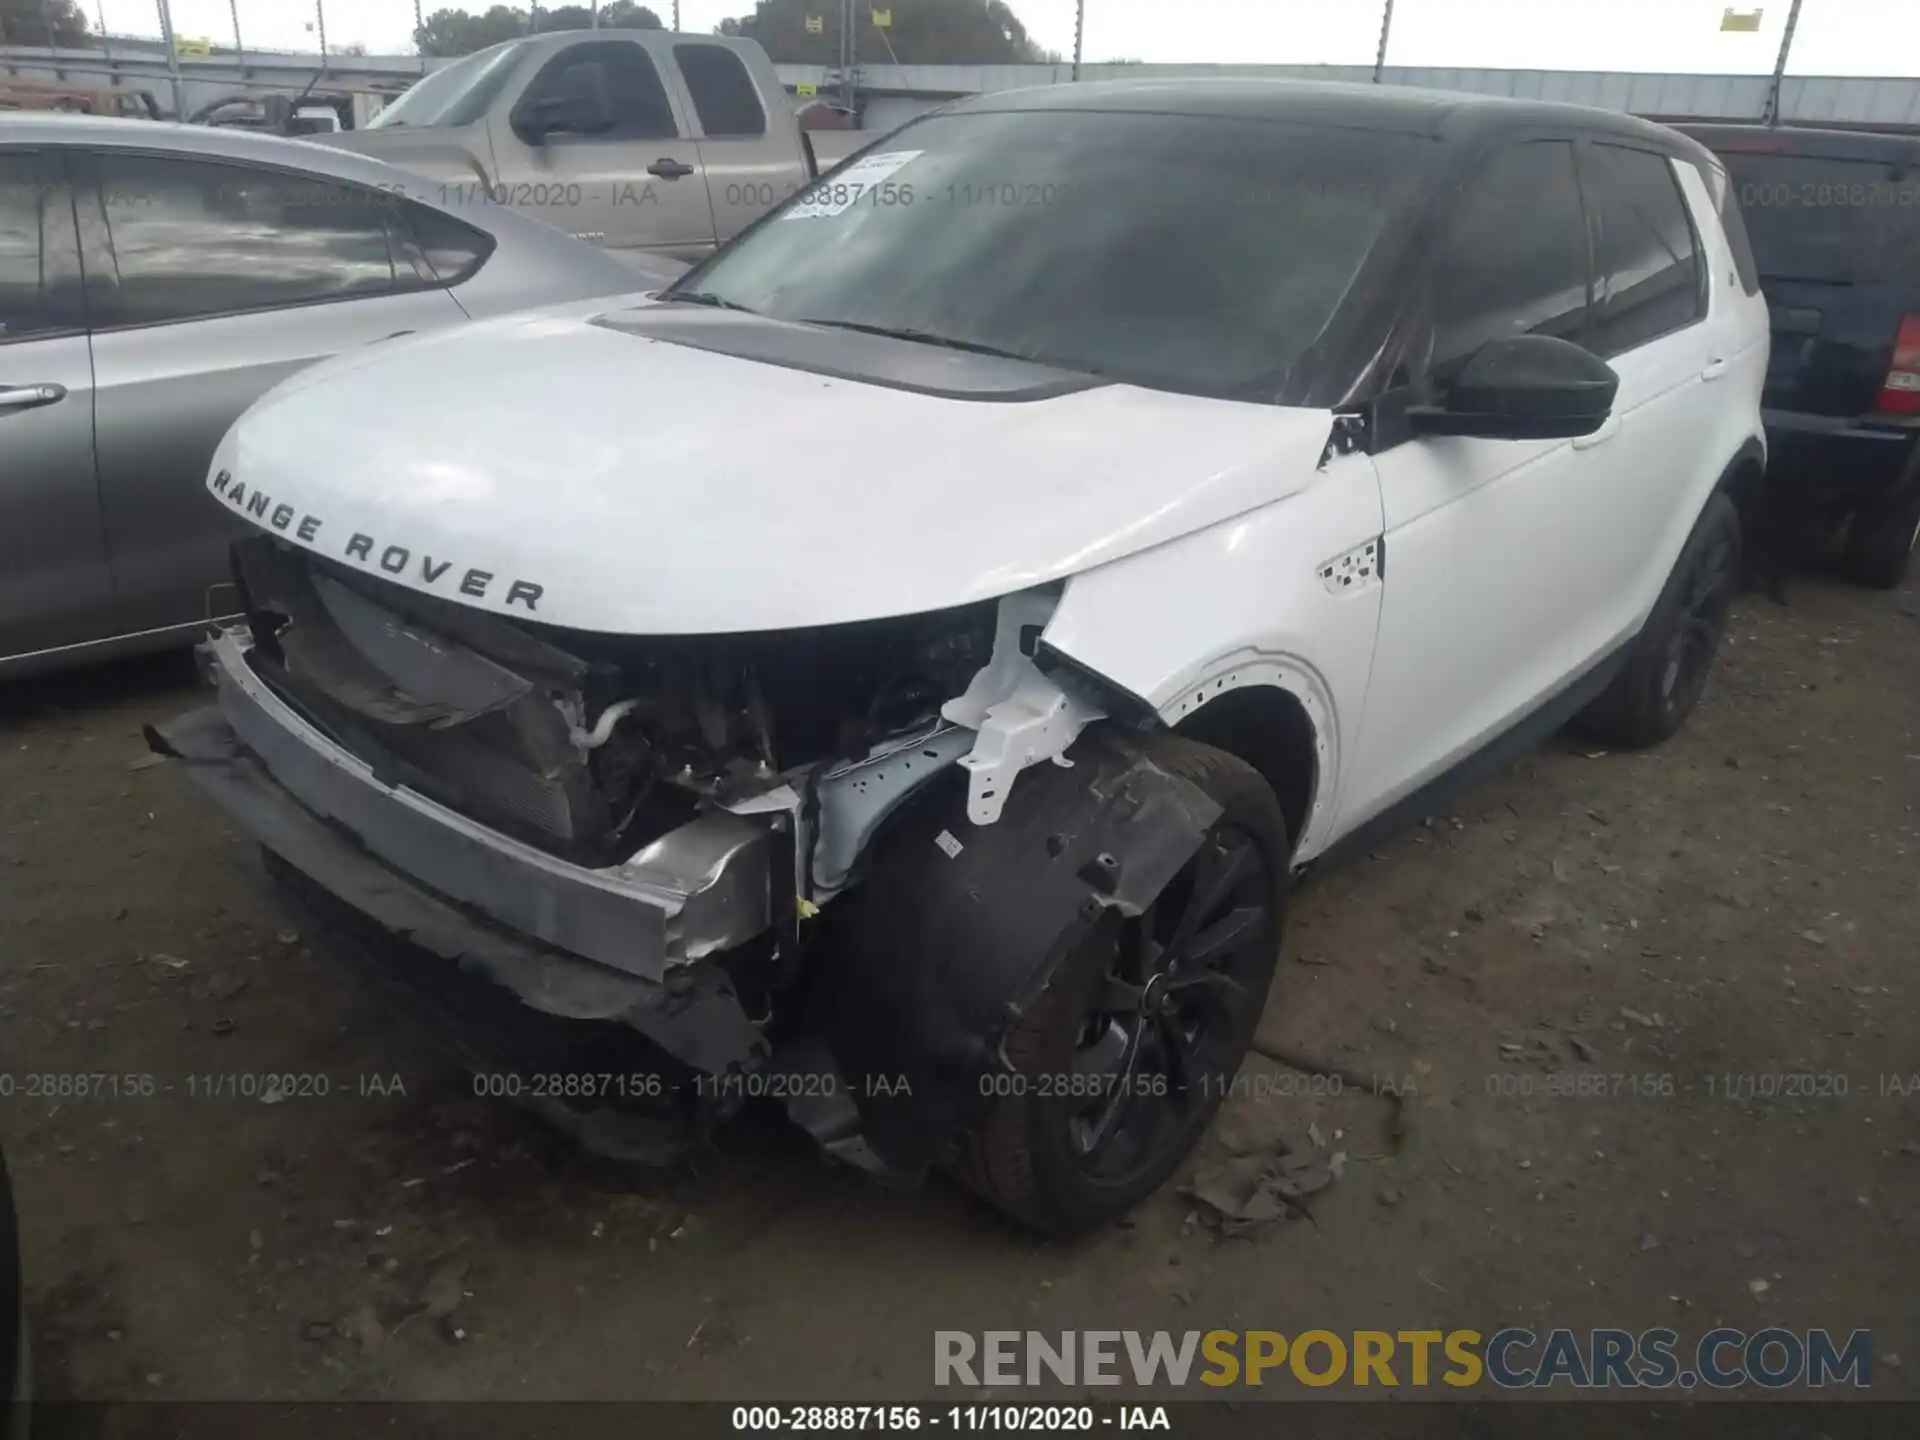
(1881, 542)
(1666, 670)
(1121, 1063)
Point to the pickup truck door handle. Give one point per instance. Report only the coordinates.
(1608, 429)
(669, 169)
(29, 397)
(1716, 367)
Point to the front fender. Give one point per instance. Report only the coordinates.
(1287, 595)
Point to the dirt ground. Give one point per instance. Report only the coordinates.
(1744, 902)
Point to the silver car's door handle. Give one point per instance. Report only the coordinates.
(1716, 367)
(28, 397)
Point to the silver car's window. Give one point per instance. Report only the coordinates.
(453, 251)
(621, 71)
(31, 228)
(723, 93)
(192, 238)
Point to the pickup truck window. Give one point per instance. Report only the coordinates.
(1193, 253)
(723, 93)
(191, 238)
(641, 110)
(456, 94)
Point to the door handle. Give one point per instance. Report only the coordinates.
(1608, 429)
(29, 397)
(669, 169)
(1716, 367)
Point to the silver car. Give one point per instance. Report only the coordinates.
(154, 280)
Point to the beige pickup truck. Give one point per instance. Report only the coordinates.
(641, 140)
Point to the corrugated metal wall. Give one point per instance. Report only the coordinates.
(898, 92)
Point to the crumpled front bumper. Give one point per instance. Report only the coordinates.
(616, 943)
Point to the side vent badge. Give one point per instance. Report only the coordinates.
(1354, 570)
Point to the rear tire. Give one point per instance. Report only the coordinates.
(1881, 541)
(1666, 669)
(1166, 990)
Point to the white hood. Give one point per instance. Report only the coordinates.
(630, 485)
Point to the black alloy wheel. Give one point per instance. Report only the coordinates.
(1700, 623)
(1120, 1063)
(1162, 1024)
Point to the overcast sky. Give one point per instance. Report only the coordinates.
(1835, 37)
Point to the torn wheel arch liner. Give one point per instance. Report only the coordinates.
(960, 926)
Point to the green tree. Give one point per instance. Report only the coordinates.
(460, 32)
(42, 22)
(628, 15)
(618, 15)
(924, 32)
(456, 32)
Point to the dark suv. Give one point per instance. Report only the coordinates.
(13, 1325)
(1834, 219)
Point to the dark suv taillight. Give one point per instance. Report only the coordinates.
(1900, 394)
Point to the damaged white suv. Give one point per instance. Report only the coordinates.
(897, 671)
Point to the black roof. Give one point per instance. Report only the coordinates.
(1441, 114)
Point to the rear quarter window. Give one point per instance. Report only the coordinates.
(1733, 224)
(453, 250)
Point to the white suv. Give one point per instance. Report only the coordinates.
(897, 672)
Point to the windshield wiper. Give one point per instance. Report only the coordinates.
(702, 297)
(924, 337)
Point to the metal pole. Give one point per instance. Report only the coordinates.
(173, 61)
(593, 16)
(676, 17)
(1380, 55)
(239, 49)
(419, 24)
(1079, 29)
(849, 52)
(320, 12)
(1780, 65)
(106, 45)
(533, 16)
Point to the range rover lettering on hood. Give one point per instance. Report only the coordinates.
(445, 576)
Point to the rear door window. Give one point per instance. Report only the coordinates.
(1648, 277)
(1830, 221)
(39, 253)
(723, 93)
(193, 239)
(1515, 260)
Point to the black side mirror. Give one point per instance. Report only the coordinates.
(578, 104)
(1529, 387)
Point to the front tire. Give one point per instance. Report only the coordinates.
(1120, 1064)
(1666, 669)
